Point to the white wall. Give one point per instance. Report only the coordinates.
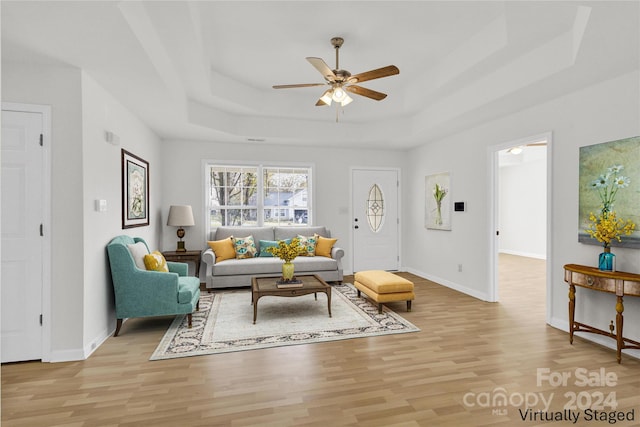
(60, 88)
(523, 204)
(84, 168)
(183, 182)
(603, 112)
(102, 180)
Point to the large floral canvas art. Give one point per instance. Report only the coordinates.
(135, 191)
(610, 193)
(438, 202)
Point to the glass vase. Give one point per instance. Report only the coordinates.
(607, 260)
(287, 271)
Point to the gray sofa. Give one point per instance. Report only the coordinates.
(238, 272)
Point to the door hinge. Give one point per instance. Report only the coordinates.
(41, 320)
(41, 230)
(41, 140)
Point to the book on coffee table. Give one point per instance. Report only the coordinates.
(297, 284)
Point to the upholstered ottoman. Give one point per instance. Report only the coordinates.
(382, 287)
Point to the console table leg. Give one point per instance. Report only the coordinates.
(572, 311)
(619, 323)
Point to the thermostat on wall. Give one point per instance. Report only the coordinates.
(459, 206)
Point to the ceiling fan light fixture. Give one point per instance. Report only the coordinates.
(347, 100)
(339, 94)
(327, 97)
(515, 150)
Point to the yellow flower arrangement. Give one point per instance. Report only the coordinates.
(286, 251)
(607, 227)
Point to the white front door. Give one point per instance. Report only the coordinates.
(22, 244)
(375, 223)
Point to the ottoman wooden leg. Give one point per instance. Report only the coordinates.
(409, 305)
(379, 308)
(358, 293)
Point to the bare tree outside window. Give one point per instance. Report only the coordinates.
(256, 195)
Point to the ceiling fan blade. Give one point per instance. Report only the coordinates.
(536, 144)
(298, 85)
(363, 91)
(387, 71)
(322, 66)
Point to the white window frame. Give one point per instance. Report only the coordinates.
(207, 164)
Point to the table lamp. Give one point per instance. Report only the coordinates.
(180, 216)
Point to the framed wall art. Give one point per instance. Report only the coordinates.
(609, 179)
(135, 191)
(438, 202)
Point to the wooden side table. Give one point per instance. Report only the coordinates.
(188, 256)
(615, 282)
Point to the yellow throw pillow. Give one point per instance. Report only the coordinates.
(155, 262)
(324, 246)
(224, 249)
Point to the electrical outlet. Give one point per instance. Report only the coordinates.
(459, 267)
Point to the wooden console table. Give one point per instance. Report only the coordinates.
(615, 282)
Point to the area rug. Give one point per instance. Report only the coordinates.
(225, 323)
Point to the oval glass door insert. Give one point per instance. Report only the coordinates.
(375, 208)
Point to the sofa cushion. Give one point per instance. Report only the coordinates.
(258, 233)
(265, 265)
(245, 247)
(187, 287)
(324, 246)
(259, 265)
(155, 262)
(317, 263)
(223, 249)
(138, 251)
(282, 233)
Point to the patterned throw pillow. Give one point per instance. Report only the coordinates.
(308, 245)
(155, 262)
(245, 247)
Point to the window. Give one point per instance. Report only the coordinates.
(249, 195)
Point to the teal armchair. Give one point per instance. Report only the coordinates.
(142, 293)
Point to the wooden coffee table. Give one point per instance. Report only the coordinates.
(263, 286)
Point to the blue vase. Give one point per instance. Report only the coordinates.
(607, 261)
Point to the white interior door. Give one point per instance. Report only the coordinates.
(375, 222)
(22, 247)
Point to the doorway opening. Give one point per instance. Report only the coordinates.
(521, 206)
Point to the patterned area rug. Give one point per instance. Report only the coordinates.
(225, 323)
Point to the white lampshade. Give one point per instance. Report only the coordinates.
(180, 216)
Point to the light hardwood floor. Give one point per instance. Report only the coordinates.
(467, 349)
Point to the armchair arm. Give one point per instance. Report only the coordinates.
(182, 268)
(337, 253)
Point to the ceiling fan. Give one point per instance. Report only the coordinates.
(341, 81)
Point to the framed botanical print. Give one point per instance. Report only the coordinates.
(437, 202)
(135, 191)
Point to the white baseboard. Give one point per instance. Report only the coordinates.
(452, 285)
